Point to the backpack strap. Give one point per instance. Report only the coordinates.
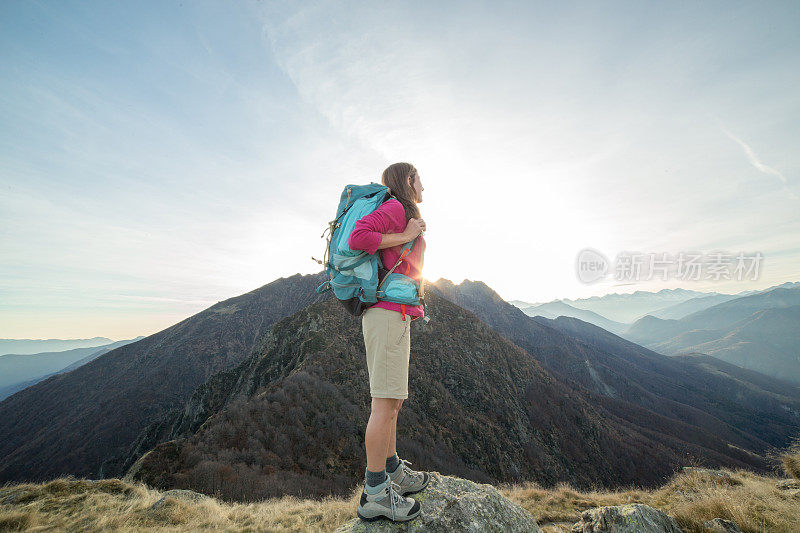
(406, 250)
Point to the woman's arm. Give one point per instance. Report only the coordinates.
(414, 227)
(382, 228)
(393, 239)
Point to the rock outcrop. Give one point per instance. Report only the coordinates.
(179, 494)
(628, 518)
(455, 504)
(719, 525)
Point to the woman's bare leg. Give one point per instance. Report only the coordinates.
(393, 436)
(379, 430)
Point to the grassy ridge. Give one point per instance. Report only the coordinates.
(751, 500)
(692, 496)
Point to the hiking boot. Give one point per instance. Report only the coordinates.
(387, 503)
(409, 481)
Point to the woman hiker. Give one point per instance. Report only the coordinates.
(387, 337)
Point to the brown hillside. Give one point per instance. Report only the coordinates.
(479, 407)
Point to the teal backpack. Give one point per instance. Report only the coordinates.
(359, 279)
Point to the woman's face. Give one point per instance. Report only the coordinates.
(416, 186)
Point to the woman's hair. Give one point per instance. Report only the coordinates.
(396, 178)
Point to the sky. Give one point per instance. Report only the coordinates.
(156, 158)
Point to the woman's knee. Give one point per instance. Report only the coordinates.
(386, 407)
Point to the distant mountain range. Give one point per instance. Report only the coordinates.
(753, 329)
(559, 308)
(692, 305)
(627, 308)
(20, 371)
(33, 346)
(267, 393)
(622, 308)
(759, 332)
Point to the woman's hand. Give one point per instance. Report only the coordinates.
(414, 228)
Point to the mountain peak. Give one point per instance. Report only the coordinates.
(467, 288)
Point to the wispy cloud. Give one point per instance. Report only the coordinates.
(761, 167)
(160, 299)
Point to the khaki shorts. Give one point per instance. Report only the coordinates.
(387, 338)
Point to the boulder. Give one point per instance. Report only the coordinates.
(719, 525)
(628, 518)
(179, 494)
(454, 504)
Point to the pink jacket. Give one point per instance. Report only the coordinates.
(390, 217)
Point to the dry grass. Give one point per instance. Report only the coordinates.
(750, 500)
(115, 505)
(791, 460)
